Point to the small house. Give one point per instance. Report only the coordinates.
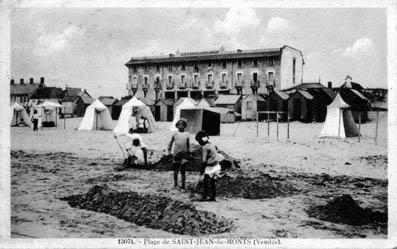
(251, 105)
(277, 102)
(108, 101)
(229, 101)
(164, 110)
(300, 106)
(227, 115)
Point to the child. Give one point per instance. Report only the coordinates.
(211, 168)
(134, 136)
(135, 153)
(181, 142)
(35, 120)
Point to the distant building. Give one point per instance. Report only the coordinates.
(251, 105)
(22, 92)
(41, 94)
(76, 101)
(208, 73)
(108, 101)
(230, 102)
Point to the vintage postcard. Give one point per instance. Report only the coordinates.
(198, 124)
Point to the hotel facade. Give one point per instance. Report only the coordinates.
(208, 73)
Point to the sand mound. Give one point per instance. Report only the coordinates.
(344, 209)
(153, 211)
(165, 162)
(258, 187)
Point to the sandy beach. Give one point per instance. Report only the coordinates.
(55, 163)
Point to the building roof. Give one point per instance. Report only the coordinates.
(359, 94)
(47, 93)
(256, 97)
(208, 55)
(86, 99)
(73, 91)
(147, 101)
(329, 92)
(304, 86)
(23, 88)
(281, 94)
(223, 110)
(107, 100)
(306, 94)
(224, 99)
(167, 101)
(355, 85)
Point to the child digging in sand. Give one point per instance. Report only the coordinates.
(181, 142)
(211, 168)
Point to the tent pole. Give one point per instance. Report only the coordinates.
(64, 118)
(359, 126)
(257, 125)
(339, 123)
(277, 123)
(288, 126)
(235, 130)
(268, 125)
(376, 129)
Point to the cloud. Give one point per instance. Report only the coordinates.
(362, 47)
(187, 24)
(53, 43)
(277, 25)
(237, 19)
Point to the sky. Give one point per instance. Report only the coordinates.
(87, 47)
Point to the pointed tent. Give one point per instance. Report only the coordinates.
(339, 121)
(183, 104)
(122, 125)
(18, 113)
(96, 117)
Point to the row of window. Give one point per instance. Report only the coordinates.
(270, 77)
(22, 99)
(182, 67)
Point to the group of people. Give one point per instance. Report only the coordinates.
(138, 123)
(180, 142)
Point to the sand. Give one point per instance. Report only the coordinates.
(56, 163)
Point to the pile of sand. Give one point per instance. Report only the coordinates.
(257, 187)
(344, 209)
(152, 211)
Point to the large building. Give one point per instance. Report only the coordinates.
(22, 92)
(207, 73)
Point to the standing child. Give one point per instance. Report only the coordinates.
(181, 142)
(211, 168)
(35, 120)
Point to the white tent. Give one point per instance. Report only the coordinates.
(50, 114)
(19, 115)
(96, 117)
(184, 104)
(122, 125)
(339, 121)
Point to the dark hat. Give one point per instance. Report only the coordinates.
(200, 135)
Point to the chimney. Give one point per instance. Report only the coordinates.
(41, 80)
(348, 80)
(329, 84)
(21, 81)
(239, 50)
(12, 81)
(31, 81)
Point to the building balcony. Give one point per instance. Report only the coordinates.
(196, 85)
(210, 84)
(255, 84)
(182, 85)
(170, 85)
(156, 85)
(134, 85)
(271, 83)
(224, 84)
